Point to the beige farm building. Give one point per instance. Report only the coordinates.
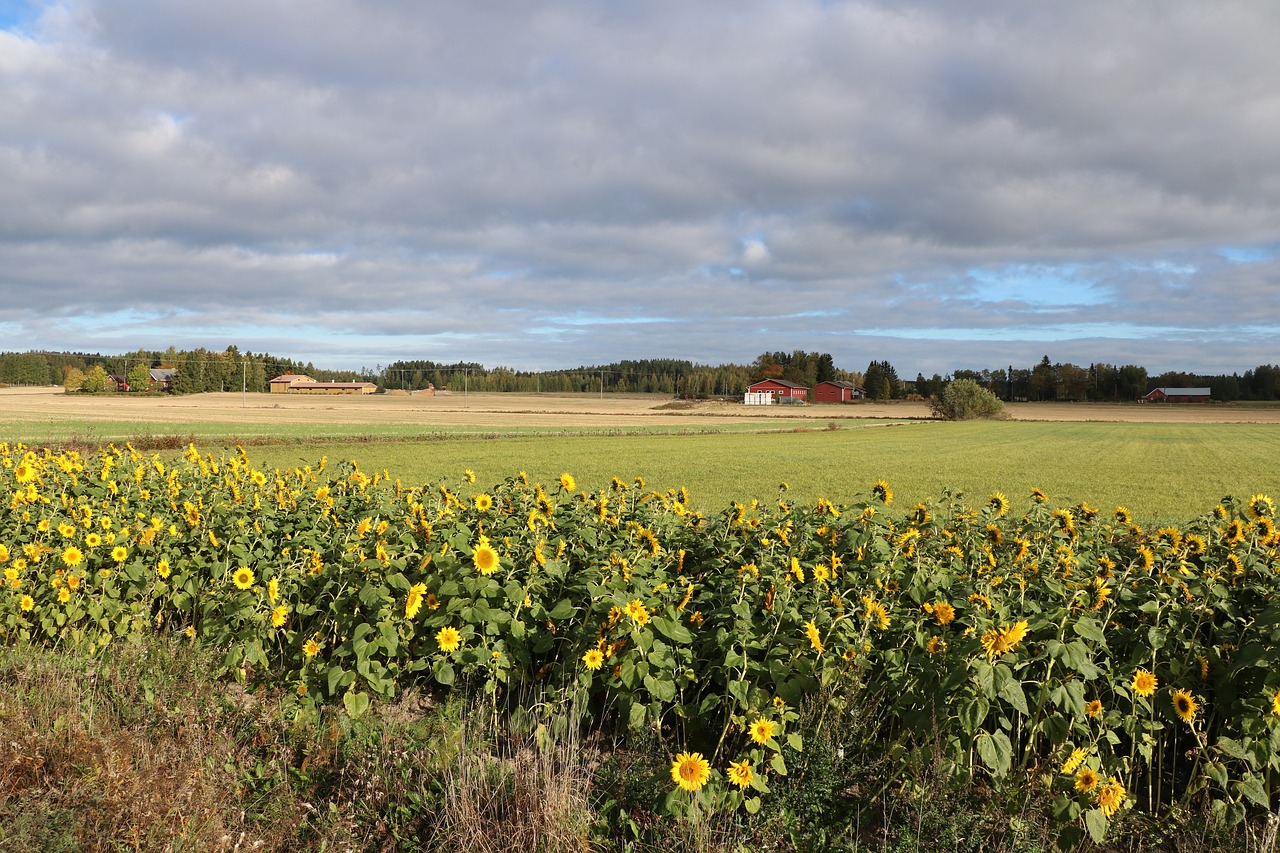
(300, 383)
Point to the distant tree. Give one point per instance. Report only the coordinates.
(1043, 384)
(72, 379)
(139, 377)
(95, 381)
(965, 399)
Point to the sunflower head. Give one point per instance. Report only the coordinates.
(485, 558)
(1185, 705)
(593, 659)
(998, 504)
(243, 578)
(690, 771)
(1144, 683)
(762, 729)
(741, 773)
(880, 489)
(1261, 506)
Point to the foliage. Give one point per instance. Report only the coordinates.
(881, 380)
(964, 399)
(1104, 665)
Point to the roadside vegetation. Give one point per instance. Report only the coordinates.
(208, 653)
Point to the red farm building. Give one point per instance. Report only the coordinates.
(1177, 395)
(780, 390)
(833, 391)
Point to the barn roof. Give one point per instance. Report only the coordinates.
(1184, 392)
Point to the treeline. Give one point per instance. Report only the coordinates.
(231, 369)
(198, 370)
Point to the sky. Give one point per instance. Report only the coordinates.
(575, 182)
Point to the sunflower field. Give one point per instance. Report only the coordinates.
(1097, 664)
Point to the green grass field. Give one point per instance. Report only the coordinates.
(1162, 472)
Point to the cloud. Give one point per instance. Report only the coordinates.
(510, 183)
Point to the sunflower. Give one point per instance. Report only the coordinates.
(72, 556)
(1261, 506)
(1038, 495)
(1194, 544)
(1074, 760)
(998, 504)
(1185, 705)
(259, 478)
(944, 612)
(1235, 531)
(273, 590)
(243, 578)
(934, 645)
(762, 730)
(24, 473)
(920, 515)
(1087, 779)
(1004, 640)
(448, 639)
(875, 610)
(815, 639)
(593, 659)
(278, 616)
(64, 595)
(881, 490)
(1094, 708)
(414, 602)
(483, 502)
(1123, 516)
(1275, 704)
(486, 559)
(1144, 683)
(310, 648)
(119, 553)
(66, 530)
(741, 773)
(567, 482)
(1064, 520)
(162, 568)
(1111, 797)
(690, 771)
(994, 535)
(26, 602)
(93, 540)
(636, 610)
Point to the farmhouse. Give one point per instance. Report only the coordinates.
(835, 391)
(775, 391)
(1177, 395)
(162, 378)
(300, 383)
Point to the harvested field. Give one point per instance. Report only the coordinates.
(24, 410)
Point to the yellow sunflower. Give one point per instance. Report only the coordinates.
(1185, 705)
(310, 648)
(944, 612)
(243, 578)
(483, 502)
(593, 659)
(64, 595)
(998, 504)
(93, 540)
(1074, 760)
(72, 556)
(1144, 683)
(1094, 708)
(278, 616)
(1261, 506)
(762, 730)
(690, 771)
(881, 490)
(413, 604)
(162, 568)
(119, 553)
(26, 602)
(485, 558)
(1038, 495)
(1275, 704)
(815, 639)
(1111, 797)
(567, 482)
(448, 639)
(636, 610)
(1087, 779)
(741, 773)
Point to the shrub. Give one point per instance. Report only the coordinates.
(964, 399)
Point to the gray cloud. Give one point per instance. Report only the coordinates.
(554, 184)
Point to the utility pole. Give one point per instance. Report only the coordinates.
(602, 386)
(244, 384)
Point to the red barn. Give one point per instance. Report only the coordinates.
(833, 391)
(780, 389)
(1177, 395)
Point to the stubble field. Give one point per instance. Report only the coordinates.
(1163, 462)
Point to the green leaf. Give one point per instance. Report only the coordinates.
(795, 741)
(1012, 693)
(1089, 629)
(1251, 787)
(356, 704)
(562, 610)
(779, 766)
(672, 630)
(1096, 822)
(660, 688)
(444, 673)
(752, 804)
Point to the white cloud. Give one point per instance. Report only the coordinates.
(461, 176)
